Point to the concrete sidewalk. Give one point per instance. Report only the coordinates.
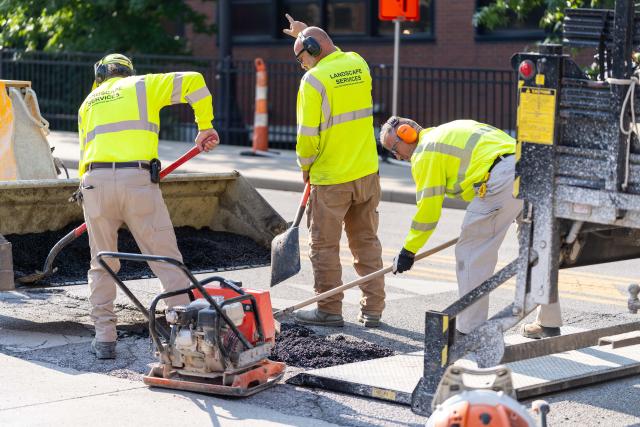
(80, 399)
(278, 172)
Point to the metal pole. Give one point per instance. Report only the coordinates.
(396, 60)
(224, 55)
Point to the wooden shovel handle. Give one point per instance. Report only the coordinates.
(360, 281)
(303, 205)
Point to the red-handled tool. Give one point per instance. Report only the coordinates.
(285, 247)
(47, 270)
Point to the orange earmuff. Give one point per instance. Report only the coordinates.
(407, 134)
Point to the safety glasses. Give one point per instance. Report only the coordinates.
(298, 59)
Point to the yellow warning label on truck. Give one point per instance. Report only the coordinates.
(536, 115)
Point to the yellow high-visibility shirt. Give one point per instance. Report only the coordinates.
(335, 140)
(120, 120)
(448, 160)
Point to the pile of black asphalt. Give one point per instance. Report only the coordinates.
(302, 347)
(202, 250)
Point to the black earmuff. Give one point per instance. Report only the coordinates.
(100, 71)
(311, 45)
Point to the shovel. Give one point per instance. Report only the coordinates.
(285, 247)
(48, 269)
(359, 281)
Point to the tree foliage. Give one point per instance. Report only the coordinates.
(148, 26)
(500, 12)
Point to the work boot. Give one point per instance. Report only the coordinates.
(369, 320)
(103, 350)
(319, 318)
(536, 331)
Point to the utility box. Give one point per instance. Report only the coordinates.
(6, 265)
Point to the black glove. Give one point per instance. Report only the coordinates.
(403, 261)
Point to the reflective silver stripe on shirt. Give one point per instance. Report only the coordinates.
(141, 93)
(346, 117)
(423, 226)
(197, 95)
(119, 127)
(317, 85)
(430, 192)
(440, 148)
(304, 161)
(308, 130)
(465, 159)
(176, 93)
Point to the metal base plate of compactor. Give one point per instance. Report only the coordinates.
(259, 377)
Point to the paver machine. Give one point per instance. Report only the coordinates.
(578, 172)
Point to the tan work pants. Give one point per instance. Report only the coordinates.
(355, 204)
(113, 197)
(484, 227)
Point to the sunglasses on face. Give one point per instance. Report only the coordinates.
(298, 59)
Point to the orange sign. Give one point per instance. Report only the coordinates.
(408, 10)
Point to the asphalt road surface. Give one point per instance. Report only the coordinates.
(591, 297)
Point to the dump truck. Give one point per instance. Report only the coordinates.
(34, 203)
(578, 172)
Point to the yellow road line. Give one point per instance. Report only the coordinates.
(569, 284)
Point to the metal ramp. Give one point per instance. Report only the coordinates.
(394, 378)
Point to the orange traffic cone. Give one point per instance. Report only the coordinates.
(260, 144)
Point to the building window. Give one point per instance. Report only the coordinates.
(263, 20)
(251, 18)
(526, 28)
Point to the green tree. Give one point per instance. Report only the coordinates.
(500, 12)
(148, 26)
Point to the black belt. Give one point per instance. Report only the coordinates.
(499, 159)
(118, 165)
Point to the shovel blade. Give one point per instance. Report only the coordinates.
(285, 256)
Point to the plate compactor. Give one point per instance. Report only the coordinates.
(218, 343)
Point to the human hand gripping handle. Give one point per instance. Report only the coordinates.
(207, 139)
(403, 261)
(295, 27)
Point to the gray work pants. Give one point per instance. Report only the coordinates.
(113, 197)
(484, 227)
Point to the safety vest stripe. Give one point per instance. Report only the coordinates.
(317, 85)
(197, 95)
(430, 192)
(119, 127)
(304, 161)
(176, 93)
(141, 94)
(435, 147)
(346, 117)
(465, 159)
(423, 226)
(308, 130)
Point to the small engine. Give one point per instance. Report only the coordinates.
(203, 343)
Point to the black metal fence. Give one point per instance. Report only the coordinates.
(428, 95)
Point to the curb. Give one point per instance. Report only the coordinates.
(395, 196)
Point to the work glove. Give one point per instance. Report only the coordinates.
(403, 261)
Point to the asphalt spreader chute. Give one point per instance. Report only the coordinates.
(221, 221)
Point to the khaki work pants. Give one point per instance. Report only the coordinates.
(113, 197)
(355, 204)
(484, 227)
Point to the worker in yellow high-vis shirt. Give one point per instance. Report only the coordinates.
(336, 150)
(118, 126)
(465, 160)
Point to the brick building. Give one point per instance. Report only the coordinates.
(444, 37)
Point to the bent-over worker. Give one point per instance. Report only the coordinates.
(465, 160)
(118, 126)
